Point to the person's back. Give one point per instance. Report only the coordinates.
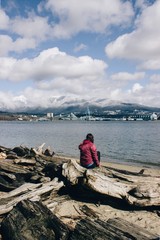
(88, 153)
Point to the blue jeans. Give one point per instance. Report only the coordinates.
(90, 166)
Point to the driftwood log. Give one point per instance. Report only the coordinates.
(34, 181)
(30, 191)
(136, 189)
(33, 221)
(118, 229)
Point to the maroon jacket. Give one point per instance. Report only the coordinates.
(88, 153)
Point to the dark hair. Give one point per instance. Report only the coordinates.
(90, 137)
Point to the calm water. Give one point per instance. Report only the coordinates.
(118, 141)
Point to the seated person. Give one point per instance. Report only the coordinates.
(89, 157)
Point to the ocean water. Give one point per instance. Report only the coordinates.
(129, 142)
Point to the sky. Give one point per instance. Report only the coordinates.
(54, 53)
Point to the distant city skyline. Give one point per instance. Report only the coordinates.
(60, 52)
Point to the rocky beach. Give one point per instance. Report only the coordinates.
(47, 196)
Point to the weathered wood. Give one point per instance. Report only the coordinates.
(137, 189)
(25, 161)
(48, 152)
(88, 211)
(2, 155)
(4, 149)
(32, 177)
(8, 176)
(120, 225)
(44, 153)
(6, 183)
(72, 171)
(9, 166)
(16, 152)
(27, 191)
(21, 174)
(33, 221)
(39, 150)
(118, 229)
(53, 169)
(20, 151)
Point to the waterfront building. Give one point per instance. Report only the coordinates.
(50, 116)
(154, 116)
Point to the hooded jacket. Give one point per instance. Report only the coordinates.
(88, 153)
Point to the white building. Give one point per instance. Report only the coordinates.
(50, 115)
(154, 116)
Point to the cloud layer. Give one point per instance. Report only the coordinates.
(42, 60)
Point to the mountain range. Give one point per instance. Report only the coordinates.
(66, 105)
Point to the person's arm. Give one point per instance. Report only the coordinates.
(94, 155)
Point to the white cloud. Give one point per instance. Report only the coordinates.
(125, 76)
(155, 78)
(19, 45)
(21, 34)
(20, 100)
(136, 87)
(14, 70)
(80, 47)
(144, 42)
(115, 94)
(91, 15)
(10, 102)
(58, 92)
(54, 77)
(74, 17)
(5, 44)
(147, 95)
(150, 65)
(52, 64)
(23, 44)
(97, 17)
(154, 85)
(31, 27)
(4, 20)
